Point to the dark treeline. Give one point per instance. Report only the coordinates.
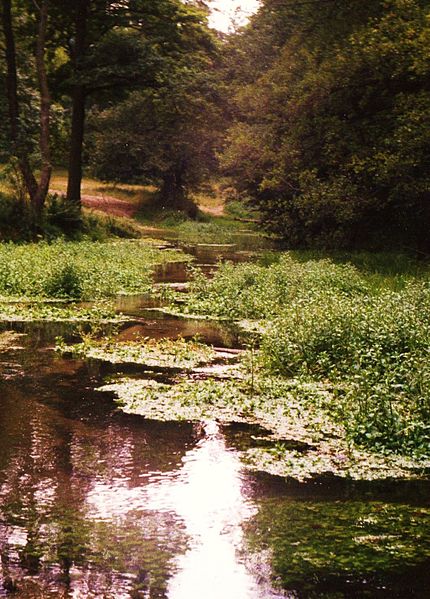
(318, 111)
(331, 132)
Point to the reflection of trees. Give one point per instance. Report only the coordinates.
(337, 547)
(50, 463)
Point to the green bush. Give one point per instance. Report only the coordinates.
(59, 220)
(254, 291)
(65, 283)
(15, 219)
(364, 335)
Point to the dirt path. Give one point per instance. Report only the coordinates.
(213, 210)
(117, 207)
(106, 204)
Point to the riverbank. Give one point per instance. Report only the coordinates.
(333, 363)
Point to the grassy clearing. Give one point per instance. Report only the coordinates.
(214, 213)
(137, 194)
(79, 270)
(204, 227)
(331, 324)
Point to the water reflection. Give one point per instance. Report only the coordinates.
(50, 464)
(207, 497)
(95, 503)
(210, 497)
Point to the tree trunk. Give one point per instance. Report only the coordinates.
(172, 191)
(78, 106)
(36, 191)
(45, 107)
(76, 146)
(13, 104)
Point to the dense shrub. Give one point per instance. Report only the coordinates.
(374, 350)
(65, 283)
(15, 219)
(254, 291)
(332, 112)
(58, 220)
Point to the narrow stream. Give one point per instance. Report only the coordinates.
(95, 503)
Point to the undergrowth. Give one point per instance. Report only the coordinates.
(58, 220)
(79, 270)
(363, 333)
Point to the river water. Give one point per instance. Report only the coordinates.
(95, 503)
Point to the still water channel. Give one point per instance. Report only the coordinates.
(95, 503)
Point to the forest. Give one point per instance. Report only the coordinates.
(215, 299)
(316, 113)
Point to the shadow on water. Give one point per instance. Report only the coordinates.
(160, 326)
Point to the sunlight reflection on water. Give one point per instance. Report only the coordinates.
(207, 496)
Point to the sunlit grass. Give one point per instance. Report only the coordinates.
(136, 194)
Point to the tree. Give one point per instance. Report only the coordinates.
(170, 144)
(331, 140)
(37, 190)
(171, 140)
(115, 47)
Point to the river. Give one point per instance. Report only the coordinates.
(95, 503)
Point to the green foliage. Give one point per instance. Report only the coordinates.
(250, 291)
(59, 219)
(169, 144)
(330, 323)
(15, 219)
(65, 283)
(375, 352)
(58, 311)
(187, 400)
(171, 138)
(152, 353)
(79, 269)
(340, 157)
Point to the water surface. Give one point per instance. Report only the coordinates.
(97, 503)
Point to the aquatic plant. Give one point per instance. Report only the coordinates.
(375, 352)
(152, 353)
(365, 334)
(80, 269)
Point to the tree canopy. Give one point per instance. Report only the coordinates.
(91, 54)
(318, 110)
(331, 137)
